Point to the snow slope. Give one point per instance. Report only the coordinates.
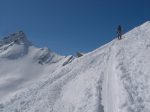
(112, 78)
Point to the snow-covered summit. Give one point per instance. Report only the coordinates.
(17, 45)
(112, 78)
(17, 37)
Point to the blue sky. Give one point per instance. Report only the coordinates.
(68, 26)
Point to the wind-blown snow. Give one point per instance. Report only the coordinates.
(112, 78)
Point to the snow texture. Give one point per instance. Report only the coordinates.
(112, 78)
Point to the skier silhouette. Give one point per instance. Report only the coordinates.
(119, 32)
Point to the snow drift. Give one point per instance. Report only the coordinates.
(112, 78)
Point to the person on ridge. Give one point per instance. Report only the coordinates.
(119, 32)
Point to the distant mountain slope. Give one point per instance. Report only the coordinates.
(21, 63)
(112, 78)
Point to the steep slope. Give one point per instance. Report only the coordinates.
(113, 78)
(126, 85)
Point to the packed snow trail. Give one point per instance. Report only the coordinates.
(110, 85)
(112, 78)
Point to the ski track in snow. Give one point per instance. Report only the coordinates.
(110, 85)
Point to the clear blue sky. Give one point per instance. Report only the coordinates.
(68, 26)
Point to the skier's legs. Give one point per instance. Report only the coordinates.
(120, 36)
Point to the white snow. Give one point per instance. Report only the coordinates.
(112, 78)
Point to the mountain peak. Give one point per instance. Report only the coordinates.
(17, 37)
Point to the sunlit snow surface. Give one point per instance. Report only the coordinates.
(112, 78)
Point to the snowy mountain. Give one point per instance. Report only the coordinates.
(112, 78)
(22, 63)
